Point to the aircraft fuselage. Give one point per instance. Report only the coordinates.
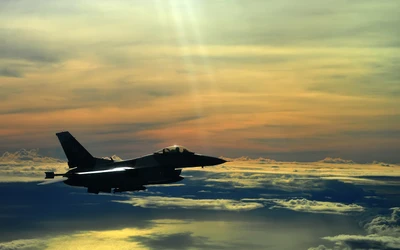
(105, 175)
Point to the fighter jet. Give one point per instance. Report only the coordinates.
(110, 175)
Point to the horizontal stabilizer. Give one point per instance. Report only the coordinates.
(53, 181)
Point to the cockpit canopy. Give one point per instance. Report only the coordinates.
(173, 150)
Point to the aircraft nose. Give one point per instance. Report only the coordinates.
(210, 161)
(218, 161)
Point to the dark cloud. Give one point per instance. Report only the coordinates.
(360, 88)
(28, 45)
(121, 95)
(287, 156)
(383, 133)
(186, 240)
(301, 155)
(183, 240)
(336, 190)
(291, 142)
(130, 128)
(32, 110)
(7, 72)
(115, 129)
(384, 153)
(126, 92)
(26, 50)
(294, 152)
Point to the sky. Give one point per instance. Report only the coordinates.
(288, 80)
(302, 98)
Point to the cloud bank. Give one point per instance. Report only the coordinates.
(27, 156)
(28, 165)
(304, 205)
(365, 242)
(383, 232)
(336, 161)
(187, 203)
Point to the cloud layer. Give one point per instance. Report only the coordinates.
(29, 244)
(304, 205)
(383, 232)
(187, 203)
(27, 156)
(28, 165)
(248, 204)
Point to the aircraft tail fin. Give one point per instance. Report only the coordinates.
(76, 154)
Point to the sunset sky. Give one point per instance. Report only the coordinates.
(288, 80)
(306, 90)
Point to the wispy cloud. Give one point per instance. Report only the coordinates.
(187, 203)
(24, 244)
(383, 232)
(336, 160)
(304, 205)
(7, 72)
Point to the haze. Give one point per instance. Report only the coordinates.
(279, 79)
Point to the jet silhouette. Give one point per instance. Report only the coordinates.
(107, 175)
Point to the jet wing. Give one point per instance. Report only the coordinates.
(104, 171)
(113, 170)
(53, 181)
